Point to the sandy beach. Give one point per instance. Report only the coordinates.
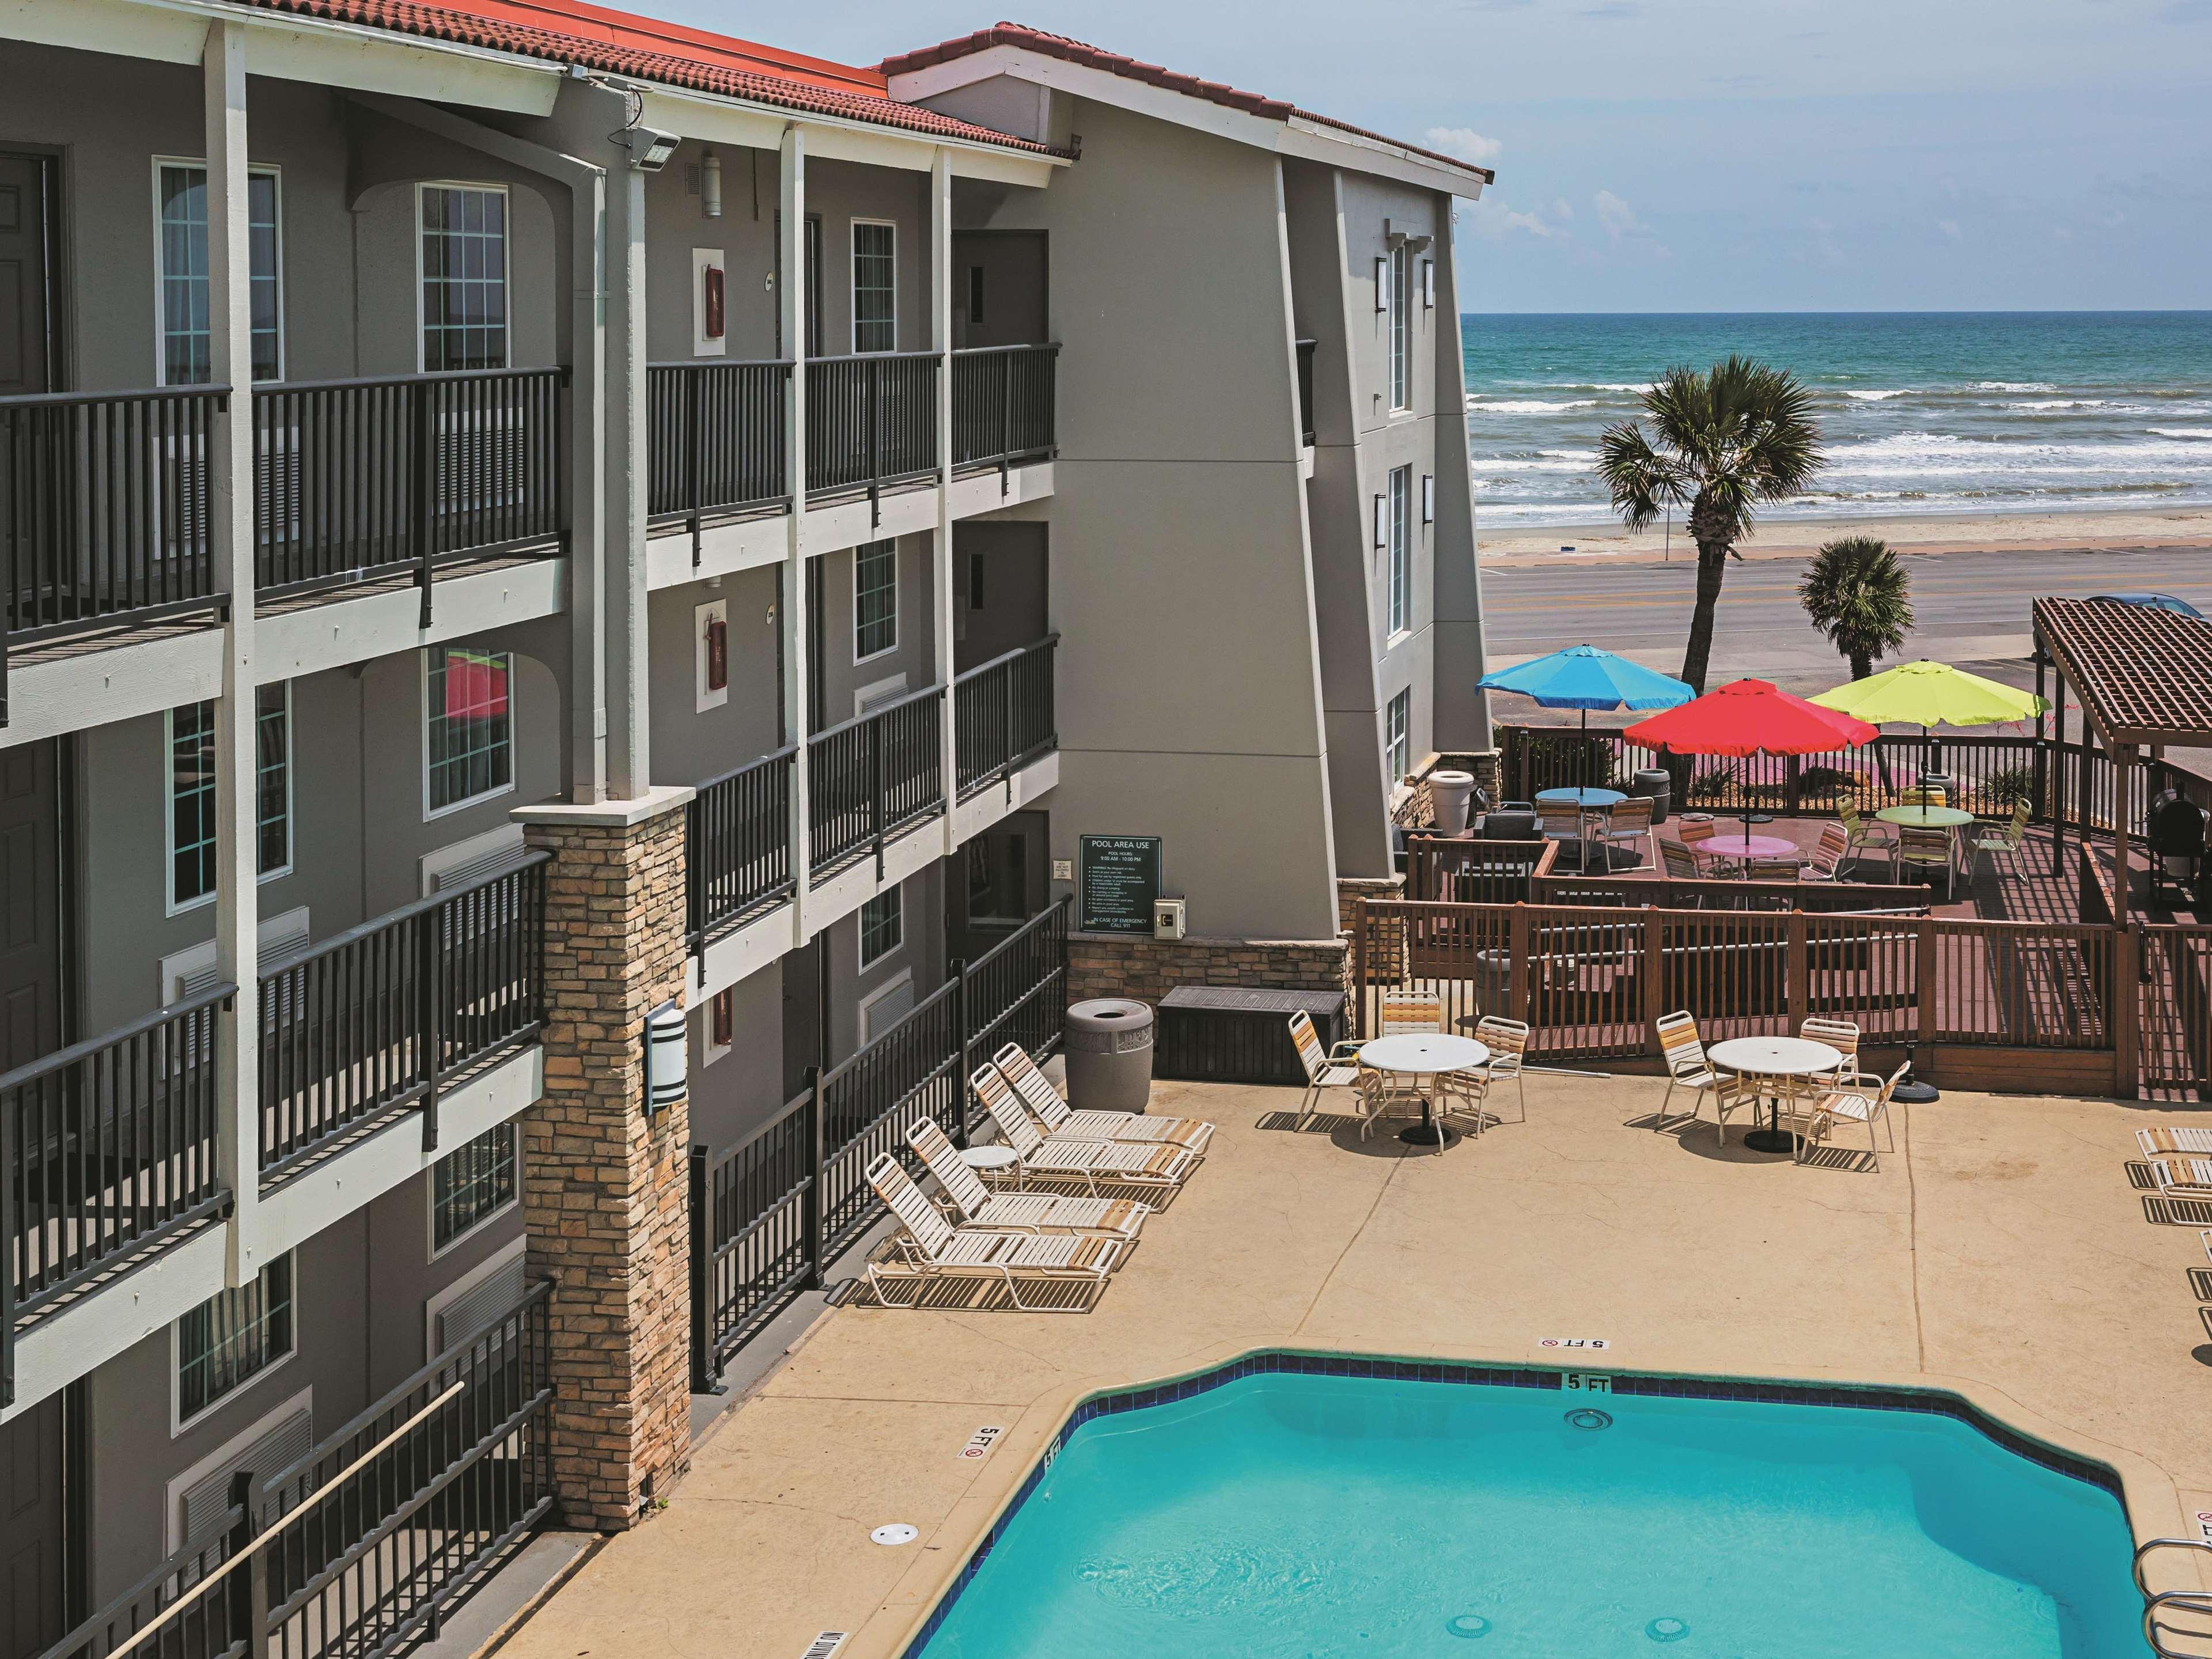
(2176, 527)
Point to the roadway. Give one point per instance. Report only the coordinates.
(1972, 610)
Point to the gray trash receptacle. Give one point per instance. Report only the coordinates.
(1109, 1056)
(1448, 793)
(1659, 788)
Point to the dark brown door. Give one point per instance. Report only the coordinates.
(999, 288)
(26, 333)
(996, 883)
(35, 1524)
(803, 1024)
(30, 906)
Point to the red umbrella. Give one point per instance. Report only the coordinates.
(1750, 717)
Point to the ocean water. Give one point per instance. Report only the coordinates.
(1306, 1517)
(1939, 412)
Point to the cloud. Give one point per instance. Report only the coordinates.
(1465, 142)
(1617, 216)
(1561, 210)
(1492, 218)
(1950, 228)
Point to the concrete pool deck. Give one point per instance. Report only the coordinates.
(2003, 1252)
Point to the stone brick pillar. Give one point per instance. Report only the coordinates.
(604, 1195)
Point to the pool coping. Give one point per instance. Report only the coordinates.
(902, 1623)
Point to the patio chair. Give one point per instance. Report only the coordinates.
(1508, 1042)
(1324, 1070)
(1694, 833)
(1383, 1093)
(1063, 1122)
(2006, 839)
(1411, 1016)
(1729, 1095)
(1686, 1065)
(1119, 1162)
(929, 1247)
(1826, 863)
(2185, 1178)
(1854, 1097)
(1461, 1094)
(1629, 824)
(1841, 1035)
(1924, 849)
(1771, 869)
(975, 1205)
(1559, 821)
(1681, 865)
(2170, 1142)
(1862, 834)
(1924, 794)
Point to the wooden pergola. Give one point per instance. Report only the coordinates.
(2143, 678)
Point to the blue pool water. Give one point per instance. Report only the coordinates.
(1311, 1517)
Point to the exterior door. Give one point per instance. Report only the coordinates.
(25, 274)
(998, 883)
(803, 1024)
(32, 1529)
(999, 288)
(30, 905)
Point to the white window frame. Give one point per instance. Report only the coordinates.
(1398, 332)
(896, 893)
(267, 169)
(1398, 737)
(709, 1050)
(172, 905)
(1399, 567)
(898, 575)
(513, 748)
(514, 1128)
(178, 1421)
(853, 286)
(506, 261)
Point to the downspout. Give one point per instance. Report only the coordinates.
(587, 264)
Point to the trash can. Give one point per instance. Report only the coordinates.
(1449, 794)
(1657, 787)
(1109, 1056)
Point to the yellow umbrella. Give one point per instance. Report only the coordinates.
(1926, 694)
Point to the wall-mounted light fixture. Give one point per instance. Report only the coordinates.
(1428, 498)
(1381, 522)
(665, 1059)
(710, 185)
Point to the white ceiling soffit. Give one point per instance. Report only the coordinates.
(1310, 140)
(719, 120)
(292, 49)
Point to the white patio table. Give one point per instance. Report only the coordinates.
(1424, 1055)
(1774, 1059)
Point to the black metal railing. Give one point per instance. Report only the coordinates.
(737, 846)
(768, 1216)
(106, 1148)
(871, 776)
(1004, 715)
(360, 1548)
(871, 421)
(714, 441)
(1306, 350)
(354, 478)
(1003, 404)
(377, 1018)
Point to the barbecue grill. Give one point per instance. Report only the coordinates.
(2175, 841)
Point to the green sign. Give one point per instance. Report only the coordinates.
(1120, 879)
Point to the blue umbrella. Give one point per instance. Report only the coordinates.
(1583, 676)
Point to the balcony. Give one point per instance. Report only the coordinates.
(106, 497)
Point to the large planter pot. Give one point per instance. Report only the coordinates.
(1448, 793)
(1109, 1056)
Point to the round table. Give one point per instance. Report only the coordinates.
(1774, 1057)
(988, 1160)
(1424, 1055)
(1926, 817)
(1584, 798)
(1748, 847)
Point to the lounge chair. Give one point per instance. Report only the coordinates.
(2189, 1178)
(975, 1205)
(2171, 1142)
(1686, 1065)
(1118, 1163)
(1063, 1122)
(930, 1247)
(1324, 1070)
(1853, 1097)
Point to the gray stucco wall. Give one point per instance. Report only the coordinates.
(915, 654)
(1016, 608)
(689, 746)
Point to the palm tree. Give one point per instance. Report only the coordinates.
(1728, 438)
(1856, 592)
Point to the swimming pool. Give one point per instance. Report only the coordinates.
(1280, 1512)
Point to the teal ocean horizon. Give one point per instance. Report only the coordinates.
(1920, 413)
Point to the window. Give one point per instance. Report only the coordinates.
(976, 581)
(974, 294)
(883, 927)
(875, 599)
(1401, 548)
(875, 286)
(192, 793)
(1397, 736)
(180, 207)
(469, 732)
(471, 1184)
(464, 249)
(232, 1337)
(721, 1023)
(1401, 326)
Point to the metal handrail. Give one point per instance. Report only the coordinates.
(988, 352)
(981, 668)
(2197, 1601)
(412, 907)
(784, 753)
(218, 390)
(63, 1058)
(560, 371)
(876, 712)
(2143, 1552)
(724, 362)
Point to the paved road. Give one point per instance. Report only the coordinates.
(1972, 608)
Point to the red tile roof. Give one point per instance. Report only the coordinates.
(1114, 62)
(618, 43)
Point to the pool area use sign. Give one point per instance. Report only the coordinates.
(1120, 879)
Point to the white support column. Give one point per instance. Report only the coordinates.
(587, 457)
(626, 717)
(230, 525)
(791, 300)
(940, 342)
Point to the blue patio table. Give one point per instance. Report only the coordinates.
(1582, 798)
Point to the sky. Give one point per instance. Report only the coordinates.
(1717, 155)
